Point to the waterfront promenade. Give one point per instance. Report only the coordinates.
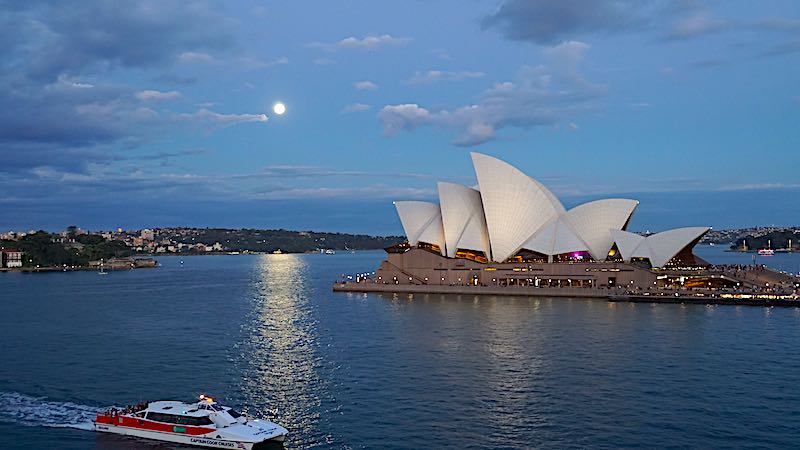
(696, 296)
(757, 286)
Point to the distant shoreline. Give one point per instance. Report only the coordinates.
(67, 269)
(311, 252)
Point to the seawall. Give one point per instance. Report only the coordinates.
(526, 291)
(471, 290)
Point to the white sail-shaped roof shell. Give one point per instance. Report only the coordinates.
(627, 243)
(594, 221)
(555, 237)
(665, 245)
(463, 219)
(422, 221)
(516, 206)
(659, 248)
(512, 211)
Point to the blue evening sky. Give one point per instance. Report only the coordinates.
(159, 113)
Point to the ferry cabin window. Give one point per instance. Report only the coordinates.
(194, 421)
(235, 414)
(179, 420)
(159, 417)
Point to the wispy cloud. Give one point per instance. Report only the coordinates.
(550, 21)
(711, 63)
(68, 82)
(694, 22)
(433, 76)
(207, 116)
(270, 183)
(542, 95)
(355, 108)
(162, 155)
(196, 58)
(697, 24)
(293, 171)
(441, 54)
(373, 192)
(251, 63)
(365, 85)
(154, 95)
(368, 42)
(242, 62)
(758, 186)
(785, 48)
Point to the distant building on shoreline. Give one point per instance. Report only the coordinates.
(10, 258)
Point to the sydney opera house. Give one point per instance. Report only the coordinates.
(510, 230)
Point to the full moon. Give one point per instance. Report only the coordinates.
(279, 108)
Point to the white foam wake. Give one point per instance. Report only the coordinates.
(36, 411)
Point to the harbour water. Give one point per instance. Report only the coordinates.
(265, 332)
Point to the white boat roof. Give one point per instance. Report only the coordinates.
(182, 408)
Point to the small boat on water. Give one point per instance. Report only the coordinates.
(205, 423)
(766, 251)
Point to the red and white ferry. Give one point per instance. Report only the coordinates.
(205, 423)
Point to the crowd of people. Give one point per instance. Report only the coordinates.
(130, 409)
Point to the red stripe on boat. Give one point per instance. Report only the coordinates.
(144, 424)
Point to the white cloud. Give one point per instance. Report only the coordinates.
(433, 76)
(758, 186)
(441, 54)
(355, 107)
(373, 191)
(544, 95)
(66, 82)
(153, 95)
(206, 115)
(366, 43)
(695, 25)
(397, 118)
(196, 57)
(251, 63)
(365, 85)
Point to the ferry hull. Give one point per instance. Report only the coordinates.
(196, 440)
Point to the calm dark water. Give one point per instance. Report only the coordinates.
(368, 371)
